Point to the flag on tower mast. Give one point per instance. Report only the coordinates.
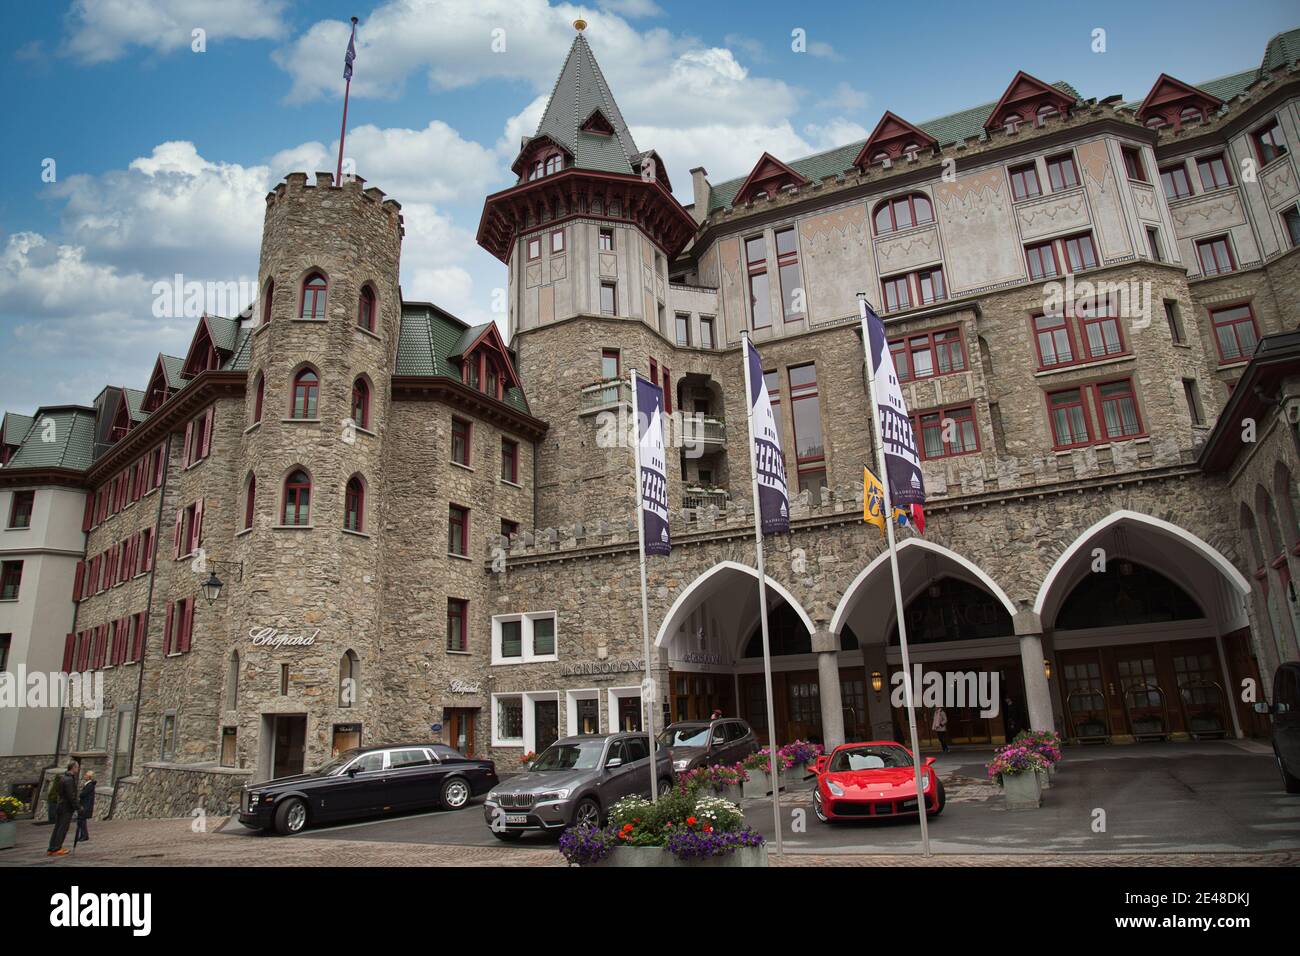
(348, 57)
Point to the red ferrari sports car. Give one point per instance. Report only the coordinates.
(872, 780)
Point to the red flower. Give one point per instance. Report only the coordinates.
(690, 821)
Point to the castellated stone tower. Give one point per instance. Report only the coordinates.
(325, 339)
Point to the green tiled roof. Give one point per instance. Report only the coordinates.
(1226, 87)
(73, 445)
(14, 427)
(429, 340)
(172, 366)
(1282, 49)
(135, 404)
(240, 354)
(225, 332)
(579, 91)
(953, 128)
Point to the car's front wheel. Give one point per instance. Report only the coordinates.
(291, 816)
(455, 793)
(1289, 780)
(943, 799)
(586, 813)
(818, 810)
(666, 786)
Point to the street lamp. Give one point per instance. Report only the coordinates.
(877, 681)
(1047, 668)
(212, 587)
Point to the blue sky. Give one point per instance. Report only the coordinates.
(162, 154)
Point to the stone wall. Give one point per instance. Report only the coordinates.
(24, 769)
(174, 790)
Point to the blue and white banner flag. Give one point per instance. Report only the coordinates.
(902, 466)
(654, 471)
(351, 54)
(765, 456)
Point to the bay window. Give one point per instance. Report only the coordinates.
(947, 432)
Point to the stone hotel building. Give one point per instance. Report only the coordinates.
(421, 532)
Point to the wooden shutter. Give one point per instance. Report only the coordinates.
(185, 449)
(198, 523)
(147, 563)
(69, 648)
(88, 517)
(77, 579)
(207, 431)
(167, 628)
(176, 536)
(158, 467)
(187, 629)
(79, 659)
(141, 629)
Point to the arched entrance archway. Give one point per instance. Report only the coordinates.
(1137, 610)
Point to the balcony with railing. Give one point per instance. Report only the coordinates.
(697, 498)
(705, 430)
(604, 396)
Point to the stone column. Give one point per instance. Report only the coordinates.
(1039, 697)
(827, 646)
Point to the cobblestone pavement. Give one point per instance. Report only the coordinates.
(173, 843)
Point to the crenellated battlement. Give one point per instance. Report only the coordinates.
(295, 187)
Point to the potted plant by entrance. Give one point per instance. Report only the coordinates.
(10, 808)
(681, 828)
(759, 767)
(797, 756)
(718, 780)
(1045, 743)
(1016, 770)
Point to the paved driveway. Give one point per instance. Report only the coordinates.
(1153, 798)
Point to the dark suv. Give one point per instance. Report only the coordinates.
(702, 743)
(1285, 711)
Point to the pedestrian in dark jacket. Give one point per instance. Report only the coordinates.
(69, 803)
(87, 811)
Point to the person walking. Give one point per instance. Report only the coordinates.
(69, 803)
(87, 811)
(940, 727)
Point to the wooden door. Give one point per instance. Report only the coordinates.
(460, 730)
(1087, 714)
(1143, 696)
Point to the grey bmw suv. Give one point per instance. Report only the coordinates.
(574, 783)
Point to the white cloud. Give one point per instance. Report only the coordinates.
(102, 30)
(631, 8)
(845, 98)
(836, 132)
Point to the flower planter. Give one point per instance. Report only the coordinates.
(798, 778)
(8, 834)
(1021, 791)
(1044, 779)
(733, 792)
(759, 784)
(658, 856)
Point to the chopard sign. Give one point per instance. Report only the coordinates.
(270, 637)
(590, 668)
(464, 687)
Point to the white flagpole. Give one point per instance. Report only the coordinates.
(762, 599)
(648, 683)
(883, 472)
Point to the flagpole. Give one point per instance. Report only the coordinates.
(888, 512)
(762, 597)
(343, 130)
(648, 683)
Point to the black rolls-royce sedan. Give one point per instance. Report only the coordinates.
(366, 781)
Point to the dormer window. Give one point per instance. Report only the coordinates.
(1047, 111)
(546, 165)
(911, 151)
(1191, 114)
(1012, 122)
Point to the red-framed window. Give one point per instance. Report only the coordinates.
(306, 392)
(903, 212)
(1291, 225)
(609, 298)
(11, 578)
(354, 505)
(259, 397)
(461, 431)
(366, 309)
(1084, 332)
(789, 274)
(1213, 171)
(1080, 253)
(772, 380)
(1061, 172)
(457, 625)
(1215, 256)
(314, 291)
(707, 339)
(1191, 114)
(361, 403)
(1024, 182)
(1176, 182)
(557, 241)
(928, 354)
(509, 461)
(760, 300)
(297, 499)
(668, 390)
(1235, 333)
(946, 432)
(805, 410)
(178, 627)
(1100, 334)
(1269, 144)
(922, 287)
(457, 530)
(534, 248)
(20, 509)
(509, 528)
(268, 299)
(1133, 165)
(610, 364)
(198, 439)
(1041, 259)
(1094, 413)
(1054, 341)
(897, 293)
(250, 501)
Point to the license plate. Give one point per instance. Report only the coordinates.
(516, 818)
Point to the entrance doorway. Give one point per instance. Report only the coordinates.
(289, 743)
(546, 723)
(629, 713)
(460, 728)
(966, 725)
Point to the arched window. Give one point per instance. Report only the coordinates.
(268, 296)
(1272, 530)
(366, 309)
(903, 212)
(297, 498)
(1191, 114)
(250, 500)
(259, 394)
(361, 403)
(553, 164)
(232, 681)
(349, 678)
(354, 505)
(1251, 532)
(306, 389)
(313, 297)
(880, 157)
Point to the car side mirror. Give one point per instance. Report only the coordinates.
(821, 764)
(929, 761)
(613, 762)
(1262, 707)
